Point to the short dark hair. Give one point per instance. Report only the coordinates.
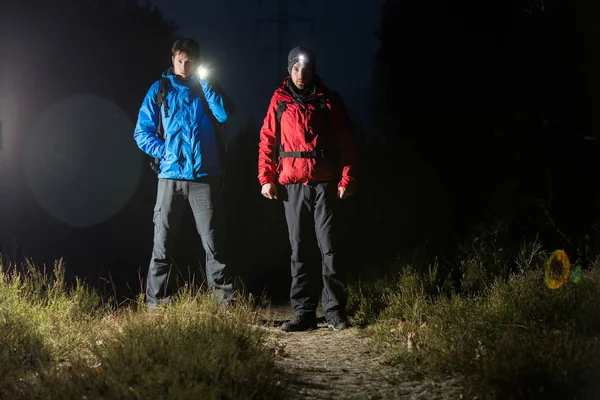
(186, 45)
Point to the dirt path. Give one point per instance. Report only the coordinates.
(342, 365)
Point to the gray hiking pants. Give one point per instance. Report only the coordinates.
(204, 197)
(310, 212)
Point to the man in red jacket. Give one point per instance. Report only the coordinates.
(308, 145)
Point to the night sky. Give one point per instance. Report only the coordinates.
(245, 51)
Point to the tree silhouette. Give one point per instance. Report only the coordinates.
(111, 48)
(257, 229)
(486, 94)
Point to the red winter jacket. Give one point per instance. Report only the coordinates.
(305, 128)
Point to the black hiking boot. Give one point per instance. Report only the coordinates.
(337, 324)
(299, 323)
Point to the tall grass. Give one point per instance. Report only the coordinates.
(504, 330)
(64, 342)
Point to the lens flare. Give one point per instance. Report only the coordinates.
(558, 268)
(80, 161)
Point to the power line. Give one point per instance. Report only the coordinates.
(283, 19)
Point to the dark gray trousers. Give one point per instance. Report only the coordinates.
(310, 212)
(204, 197)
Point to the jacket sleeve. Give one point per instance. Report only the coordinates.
(215, 101)
(346, 140)
(147, 125)
(266, 147)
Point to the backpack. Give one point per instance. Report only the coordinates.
(281, 107)
(163, 89)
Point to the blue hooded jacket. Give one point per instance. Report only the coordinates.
(190, 149)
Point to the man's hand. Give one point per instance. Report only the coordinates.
(344, 193)
(269, 190)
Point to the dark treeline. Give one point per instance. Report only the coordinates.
(496, 98)
(113, 49)
(487, 111)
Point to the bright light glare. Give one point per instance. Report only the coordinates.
(202, 72)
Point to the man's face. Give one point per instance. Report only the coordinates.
(302, 74)
(184, 66)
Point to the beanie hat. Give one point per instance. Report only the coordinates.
(300, 54)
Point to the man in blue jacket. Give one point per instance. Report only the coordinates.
(190, 168)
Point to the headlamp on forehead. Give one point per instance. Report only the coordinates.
(300, 55)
